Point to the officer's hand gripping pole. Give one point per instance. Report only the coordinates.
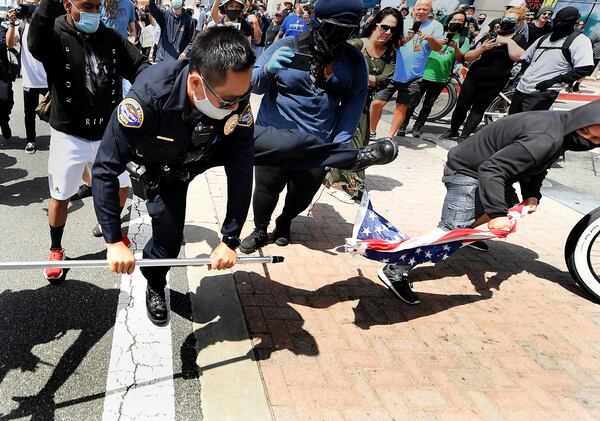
(72, 264)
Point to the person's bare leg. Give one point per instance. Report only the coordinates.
(57, 212)
(398, 118)
(87, 176)
(123, 192)
(376, 112)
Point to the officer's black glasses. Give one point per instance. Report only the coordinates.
(223, 104)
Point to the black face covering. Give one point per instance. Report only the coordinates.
(564, 23)
(507, 28)
(454, 27)
(233, 15)
(480, 21)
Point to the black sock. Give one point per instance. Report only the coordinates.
(56, 234)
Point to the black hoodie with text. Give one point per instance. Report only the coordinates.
(84, 70)
(520, 148)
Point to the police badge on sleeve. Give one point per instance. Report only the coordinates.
(130, 113)
(246, 118)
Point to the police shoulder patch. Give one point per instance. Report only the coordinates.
(130, 113)
(246, 117)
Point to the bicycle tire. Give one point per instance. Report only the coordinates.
(448, 106)
(498, 105)
(577, 248)
(452, 99)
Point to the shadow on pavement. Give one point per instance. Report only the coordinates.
(44, 315)
(25, 192)
(42, 143)
(505, 259)
(381, 183)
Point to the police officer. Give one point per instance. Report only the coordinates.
(179, 119)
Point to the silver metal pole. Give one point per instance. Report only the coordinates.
(71, 264)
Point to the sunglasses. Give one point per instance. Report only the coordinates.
(224, 104)
(334, 30)
(511, 20)
(385, 28)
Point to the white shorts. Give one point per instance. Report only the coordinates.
(68, 157)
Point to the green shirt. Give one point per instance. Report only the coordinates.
(440, 63)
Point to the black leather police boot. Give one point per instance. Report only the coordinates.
(156, 306)
(281, 235)
(381, 152)
(255, 240)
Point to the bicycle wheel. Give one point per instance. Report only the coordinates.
(582, 253)
(499, 107)
(443, 104)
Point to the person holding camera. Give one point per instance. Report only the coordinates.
(35, 84)
(438, 69)
(492, 60)
(421, 36)
(308, 82)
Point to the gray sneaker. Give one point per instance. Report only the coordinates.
(396, 279)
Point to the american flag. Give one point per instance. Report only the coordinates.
(377, 239)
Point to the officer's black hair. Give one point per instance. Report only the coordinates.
(219, 49)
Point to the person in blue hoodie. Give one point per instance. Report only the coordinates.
(325, 101)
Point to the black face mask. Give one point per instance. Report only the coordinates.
(454, 27)
(564, 23)
(507, 28)
(233, 15)
(480, 21)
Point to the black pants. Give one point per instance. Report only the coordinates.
(6, 100)
(476, 98)
(167, 210)
(31, 99)
(537, 101)
(294, 150)
(270, 181)
(432, 91)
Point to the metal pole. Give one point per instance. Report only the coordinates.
(71, 264)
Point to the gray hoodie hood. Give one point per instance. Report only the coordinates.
(584, 116)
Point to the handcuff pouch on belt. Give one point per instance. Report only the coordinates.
(145, 180)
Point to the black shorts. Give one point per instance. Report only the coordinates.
(406, 92)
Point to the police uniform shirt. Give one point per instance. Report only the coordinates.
(153, 126)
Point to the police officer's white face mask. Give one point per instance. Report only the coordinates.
(208, 109)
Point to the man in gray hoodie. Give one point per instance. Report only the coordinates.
(480, 172)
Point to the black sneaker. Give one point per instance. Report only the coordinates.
(416, 132)
(30, 148)
(479, 245)
(401, 132)
(83, 192)
(156, 306)
(254, 241)
(449, 136)
(378, 153)
(281, 235)
(97, 230)
(397, 281)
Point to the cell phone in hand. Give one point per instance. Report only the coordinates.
(450, 37)
(300, 61)
(492, 36)
(416, 26)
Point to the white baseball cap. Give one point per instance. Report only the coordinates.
(517, 3)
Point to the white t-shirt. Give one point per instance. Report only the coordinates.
(546, 64)
(34, 75)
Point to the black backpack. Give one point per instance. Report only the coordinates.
(564, 47)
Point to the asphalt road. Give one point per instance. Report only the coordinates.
(56, 340)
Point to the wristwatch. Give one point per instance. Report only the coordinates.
(231, 241)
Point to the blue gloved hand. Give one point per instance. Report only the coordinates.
(278, 60)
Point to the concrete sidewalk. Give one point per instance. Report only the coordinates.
(499, 335)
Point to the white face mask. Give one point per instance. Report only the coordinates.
(208, 109)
